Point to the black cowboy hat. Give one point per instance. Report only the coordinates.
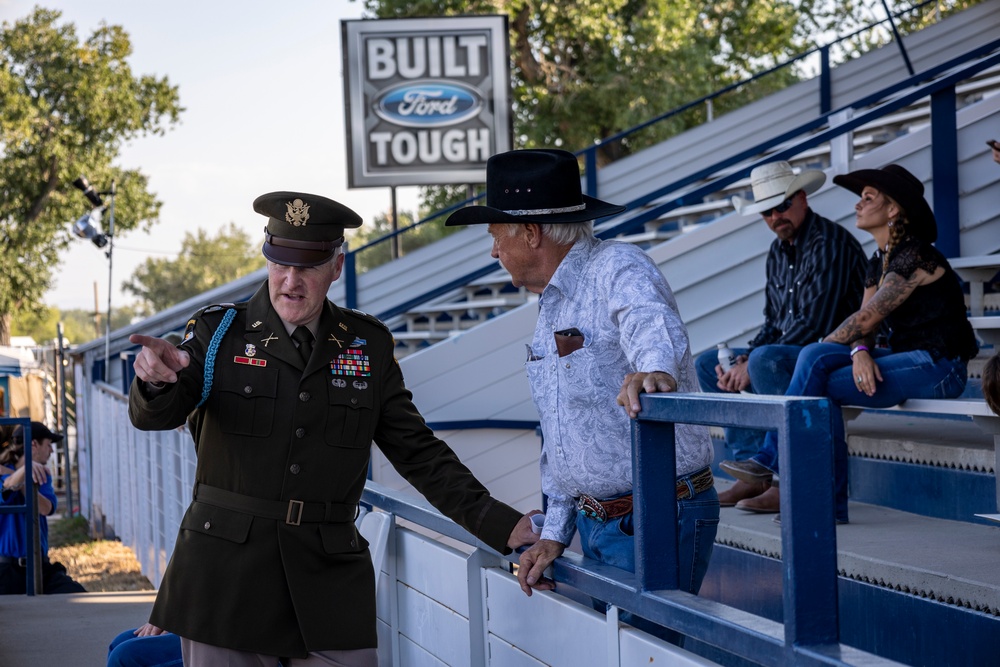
(541, 186)
(904, 188)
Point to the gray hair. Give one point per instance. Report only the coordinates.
(566, 233)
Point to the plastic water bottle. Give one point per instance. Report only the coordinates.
(726, 357)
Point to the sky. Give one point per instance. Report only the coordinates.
(263, 92)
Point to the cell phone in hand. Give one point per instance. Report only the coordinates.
(994, 144)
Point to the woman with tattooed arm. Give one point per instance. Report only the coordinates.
(913, 296)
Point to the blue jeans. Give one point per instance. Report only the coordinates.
(826, 370)
(127, 650)
(612, 542)
(770, 368)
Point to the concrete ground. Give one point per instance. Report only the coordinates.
(67, 630)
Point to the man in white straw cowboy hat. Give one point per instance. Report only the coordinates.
(815, 271)
(608, 329)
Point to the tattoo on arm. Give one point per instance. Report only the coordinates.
(894, 290)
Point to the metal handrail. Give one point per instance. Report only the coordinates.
(810, 635)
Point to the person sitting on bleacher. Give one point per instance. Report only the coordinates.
(14, 549)
(815, 277)
(912, 293)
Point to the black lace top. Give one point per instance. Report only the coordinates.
(933, 317)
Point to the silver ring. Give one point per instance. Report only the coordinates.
(859, 379)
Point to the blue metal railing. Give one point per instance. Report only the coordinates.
(29, 508)
(943, 117)
(810, 635)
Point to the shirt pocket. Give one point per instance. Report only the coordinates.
(247, 401)
(349, 414)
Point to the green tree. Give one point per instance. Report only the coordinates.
(68, 107)
(204, 262)
(79, 326)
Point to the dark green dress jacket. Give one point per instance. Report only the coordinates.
(253, 569)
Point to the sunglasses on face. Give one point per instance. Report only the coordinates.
(780, 208)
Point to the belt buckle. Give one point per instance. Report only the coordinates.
(591, 508)
(294, 509)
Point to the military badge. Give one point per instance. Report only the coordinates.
(358, 342)
(298, 212)
(269, 338)
(340, 383)
(358, 384)
(247, 361)
(251, 350)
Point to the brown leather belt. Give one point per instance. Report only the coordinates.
(602, 510)
(292, 512)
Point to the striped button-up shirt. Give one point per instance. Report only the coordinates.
(813, 284)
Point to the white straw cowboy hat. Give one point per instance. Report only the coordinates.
(775, 182)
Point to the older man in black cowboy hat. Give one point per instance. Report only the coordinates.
(286, 393)
(608, 329)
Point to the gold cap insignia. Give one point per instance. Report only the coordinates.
(298, 212)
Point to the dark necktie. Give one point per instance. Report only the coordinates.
(304, 338)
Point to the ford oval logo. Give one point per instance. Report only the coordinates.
(428, 103)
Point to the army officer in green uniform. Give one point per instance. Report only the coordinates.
(285, 394)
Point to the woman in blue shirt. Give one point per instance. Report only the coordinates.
(14, 549)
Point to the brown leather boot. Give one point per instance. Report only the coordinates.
(741, 490)
(766, 503)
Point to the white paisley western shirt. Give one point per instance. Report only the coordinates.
(615, 295)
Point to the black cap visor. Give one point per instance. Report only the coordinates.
(291, 252)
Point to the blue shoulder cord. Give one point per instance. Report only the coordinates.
(213, 347)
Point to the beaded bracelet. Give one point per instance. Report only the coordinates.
(859, 348)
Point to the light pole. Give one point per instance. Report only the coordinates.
(86, 228)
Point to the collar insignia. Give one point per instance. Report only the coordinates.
(269, 338)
